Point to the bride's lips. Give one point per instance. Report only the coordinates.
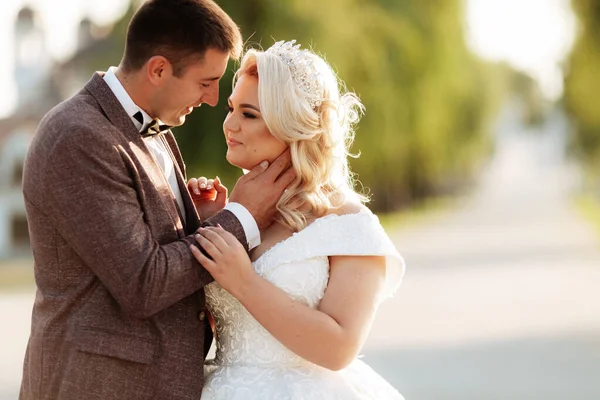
(233, 143)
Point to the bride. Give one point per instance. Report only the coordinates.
(291, 317)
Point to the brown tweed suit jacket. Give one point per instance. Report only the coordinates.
(118, 312)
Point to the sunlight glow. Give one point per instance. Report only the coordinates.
(532, 35)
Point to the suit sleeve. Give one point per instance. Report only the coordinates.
(93, 200)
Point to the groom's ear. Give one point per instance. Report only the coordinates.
(157, 69)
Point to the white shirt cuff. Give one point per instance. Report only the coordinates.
(248, 223)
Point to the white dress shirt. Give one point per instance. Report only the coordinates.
(162, 157)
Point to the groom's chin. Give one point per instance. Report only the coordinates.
(175, 121)
(179, 121)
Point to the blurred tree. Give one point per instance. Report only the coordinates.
(528, 90)
(582, 83)
(429, 101)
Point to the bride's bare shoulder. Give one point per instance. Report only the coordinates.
(348, 207)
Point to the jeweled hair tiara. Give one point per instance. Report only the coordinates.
(304, 72)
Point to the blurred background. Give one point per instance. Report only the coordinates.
(480, 148)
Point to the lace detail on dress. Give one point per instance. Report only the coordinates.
(241, 339)
(251, 363)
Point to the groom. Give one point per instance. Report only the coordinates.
(119, 309)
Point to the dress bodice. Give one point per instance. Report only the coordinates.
(250, 364)
(240, 338)
(299, 266)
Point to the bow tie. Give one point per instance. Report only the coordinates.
(154, 128)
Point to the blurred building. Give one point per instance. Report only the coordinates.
(41, 84)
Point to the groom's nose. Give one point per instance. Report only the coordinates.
(212, 97)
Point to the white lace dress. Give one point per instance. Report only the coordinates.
(251, 364)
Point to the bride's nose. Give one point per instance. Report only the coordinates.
(231, 124)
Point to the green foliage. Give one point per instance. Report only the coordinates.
(429, 101)
(589, 207)
(582, 82)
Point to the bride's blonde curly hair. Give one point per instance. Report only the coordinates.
(319, 137)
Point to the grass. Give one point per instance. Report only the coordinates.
(16, 274)
(419, 213)
(589, 207)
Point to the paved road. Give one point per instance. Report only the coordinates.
(500, 300)
(15, 309)
(501, 297)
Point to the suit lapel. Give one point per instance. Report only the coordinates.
(115, 113)
(192, 219)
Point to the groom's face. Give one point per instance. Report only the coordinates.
(198, 83)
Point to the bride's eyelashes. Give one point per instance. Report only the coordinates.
(248, 115)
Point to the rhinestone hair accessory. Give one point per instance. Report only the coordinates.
(304, 72)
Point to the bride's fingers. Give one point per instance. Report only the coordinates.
(221, 192)
(214, 238)
(208, 246)
(202, 181)
(202, 187)
(219, 187)
(206, 262)
(193, 186)
(226, 236)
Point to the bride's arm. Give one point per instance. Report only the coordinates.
(330, 336)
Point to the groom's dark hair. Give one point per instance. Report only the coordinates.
(181, 31)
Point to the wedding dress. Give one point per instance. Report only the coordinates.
(251, 364)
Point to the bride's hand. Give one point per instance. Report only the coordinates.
(209, 196)
(230, 265)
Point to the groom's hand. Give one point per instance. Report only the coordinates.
(260, 189)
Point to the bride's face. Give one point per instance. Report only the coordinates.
(248, 139)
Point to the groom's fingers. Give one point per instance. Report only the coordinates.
(286, 179)
(280, 164)
(254, 172)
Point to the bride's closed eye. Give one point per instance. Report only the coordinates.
(229, 109)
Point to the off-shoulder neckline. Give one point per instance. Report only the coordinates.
(317, 221)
